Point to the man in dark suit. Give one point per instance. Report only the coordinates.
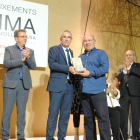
(129, 78)
(60, 86)
(18, 59)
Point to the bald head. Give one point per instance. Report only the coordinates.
(130, 51)
(88, 42)
(89, 35)
(130, 56)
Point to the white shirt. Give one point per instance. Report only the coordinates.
(66, 53)
(125, 72)
(67, 56)
(111, 101)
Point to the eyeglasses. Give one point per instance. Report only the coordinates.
(22, 36)
(128, 55)
(65, 37)
(87, 40)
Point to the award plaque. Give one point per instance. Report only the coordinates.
(77, 63)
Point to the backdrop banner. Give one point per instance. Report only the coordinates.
(33, 17)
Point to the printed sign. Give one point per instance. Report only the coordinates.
(32, 17)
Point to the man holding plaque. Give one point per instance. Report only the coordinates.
(93, 89)
(60, 86)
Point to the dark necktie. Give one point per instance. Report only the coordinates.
(69, 62)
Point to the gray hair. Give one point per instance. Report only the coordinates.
(133, 53)
(16, 33)
(66, 31)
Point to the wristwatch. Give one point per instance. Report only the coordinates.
(89, 75)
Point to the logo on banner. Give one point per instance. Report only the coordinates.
(28, 24)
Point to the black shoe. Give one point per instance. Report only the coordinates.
(136, 138)
(21, 139)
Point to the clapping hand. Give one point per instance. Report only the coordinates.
(26, 53)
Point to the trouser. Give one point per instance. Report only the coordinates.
(99, 103)
(20, 95)
(125, 102)
(59, 101)
(118, 121)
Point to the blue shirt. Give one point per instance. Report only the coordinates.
(98, 64)
(20, 53)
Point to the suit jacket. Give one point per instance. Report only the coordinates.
(58, 68)
(133, 80)
(14, 64)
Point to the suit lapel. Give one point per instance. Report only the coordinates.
(134, 64)
(15, 49)
(71, 53)
(62, 52)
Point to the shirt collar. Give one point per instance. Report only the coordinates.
(19, 47)
(90, 50)
(65, 48)
(130, 66)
